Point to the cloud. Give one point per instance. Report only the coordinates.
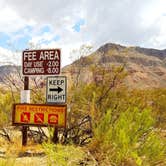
(9, 57)
(124, 21)
(9, 20)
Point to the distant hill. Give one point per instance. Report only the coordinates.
(146, 68)
(6, 70)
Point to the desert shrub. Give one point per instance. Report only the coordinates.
(63, 155)
(124, 120)
(97, 92)
(130, 139)
(157, 98)
(6, 101)
(153, 150)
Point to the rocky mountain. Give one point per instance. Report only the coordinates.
(146, 68)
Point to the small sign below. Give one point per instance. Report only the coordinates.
(39, 115)
(25, 96)
(56, 89)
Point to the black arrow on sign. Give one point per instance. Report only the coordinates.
(59, 89)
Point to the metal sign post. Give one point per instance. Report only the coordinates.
(42, 62)
(56, 94)
(24, 128)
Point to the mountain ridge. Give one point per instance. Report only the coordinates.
(146, 67)
(160, 53)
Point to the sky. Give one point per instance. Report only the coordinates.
(68, 24)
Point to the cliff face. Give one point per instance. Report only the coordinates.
(146, 68)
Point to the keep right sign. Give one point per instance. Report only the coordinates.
(56, 89)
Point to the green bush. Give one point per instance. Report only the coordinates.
(63, 155)
(130, 139)
(153, 149)
(6, 102)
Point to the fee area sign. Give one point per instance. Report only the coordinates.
(39, 115)
(41, 62)
(56, 89)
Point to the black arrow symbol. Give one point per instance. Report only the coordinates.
(59, 89)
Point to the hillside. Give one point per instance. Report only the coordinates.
(5, 70)
(146, 68)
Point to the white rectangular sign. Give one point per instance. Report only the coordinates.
(25, 96)
(56, 89)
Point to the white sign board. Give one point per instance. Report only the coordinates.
(56, 89)
(25, 96)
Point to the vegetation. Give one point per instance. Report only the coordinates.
(130, 139)
(64, 155)
(127, 125)
(6, 101)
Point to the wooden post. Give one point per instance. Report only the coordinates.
(55, 135)
(24, 135)
(25, 128)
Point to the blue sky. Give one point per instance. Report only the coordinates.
(4, 38)
(68, 24)
(20, 39)
(78, 24)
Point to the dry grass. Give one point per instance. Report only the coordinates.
(14, 154)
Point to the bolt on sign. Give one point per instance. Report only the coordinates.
(39, 115)
(56, 89)
(41, 62)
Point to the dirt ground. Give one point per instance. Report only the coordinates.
(13, 153)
